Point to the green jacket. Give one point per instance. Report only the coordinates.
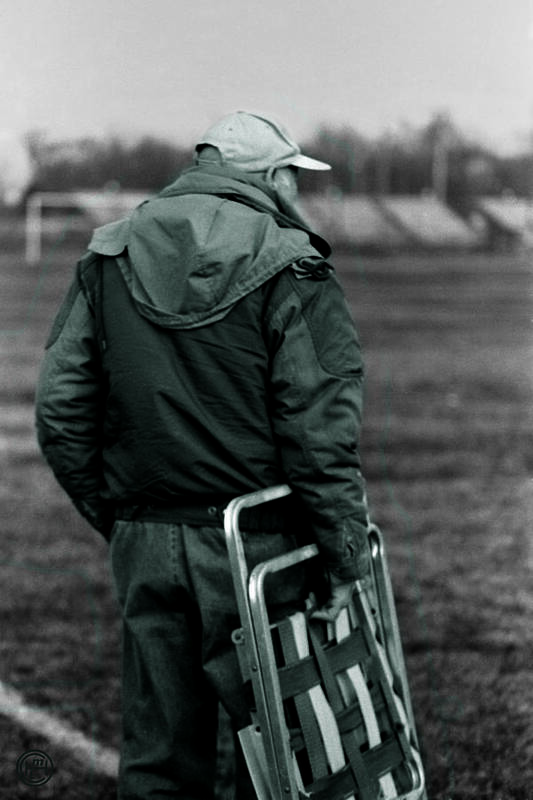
(205, 349)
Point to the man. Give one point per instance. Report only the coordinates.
(204, 351)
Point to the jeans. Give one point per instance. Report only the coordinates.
(174, 586)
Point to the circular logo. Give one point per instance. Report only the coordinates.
(35, 768)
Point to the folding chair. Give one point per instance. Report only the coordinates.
(332, 716)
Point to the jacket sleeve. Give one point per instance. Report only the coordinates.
(69, 406)
(316, 382)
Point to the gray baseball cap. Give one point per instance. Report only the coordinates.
(255, 144)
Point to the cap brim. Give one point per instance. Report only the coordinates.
(305, 162)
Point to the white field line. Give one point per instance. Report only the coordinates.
(103, 760)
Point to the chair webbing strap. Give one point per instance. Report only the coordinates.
(304, 708)
(340, 689)
(366, 783)
(302, 675)
(380, 671)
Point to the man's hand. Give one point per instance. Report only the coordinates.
(340, 595)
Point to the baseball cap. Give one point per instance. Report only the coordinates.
(254, 144)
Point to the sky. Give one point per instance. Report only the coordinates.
(170, 68)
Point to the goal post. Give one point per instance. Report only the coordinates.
(98, 208)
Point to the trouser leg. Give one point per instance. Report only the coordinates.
(175, 587)
(169, 709)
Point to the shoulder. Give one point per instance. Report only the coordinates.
(313, 314)
(111, 239)
(307, 280)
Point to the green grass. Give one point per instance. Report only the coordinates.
(447, 450)
(447, 455)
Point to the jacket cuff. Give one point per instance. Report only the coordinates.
(350, 559)
(354, 569)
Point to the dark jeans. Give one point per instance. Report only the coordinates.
(175, 589)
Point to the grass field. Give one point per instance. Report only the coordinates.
(448, 455)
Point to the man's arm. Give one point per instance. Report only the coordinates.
(69, 406)
(317, 376)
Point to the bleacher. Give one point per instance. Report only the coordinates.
(509, 218)
(388, 222)
(354, 220)
(428, 222)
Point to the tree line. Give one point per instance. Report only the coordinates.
(436, 157)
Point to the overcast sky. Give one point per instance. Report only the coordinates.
(171, 67)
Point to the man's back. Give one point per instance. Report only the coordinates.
(204, 350)
(187, 413)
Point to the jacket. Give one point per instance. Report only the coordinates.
(205, 349)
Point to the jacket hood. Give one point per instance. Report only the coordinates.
(207, 240)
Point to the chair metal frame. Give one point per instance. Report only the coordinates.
(266, 742)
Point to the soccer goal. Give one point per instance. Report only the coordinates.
(97, 208)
